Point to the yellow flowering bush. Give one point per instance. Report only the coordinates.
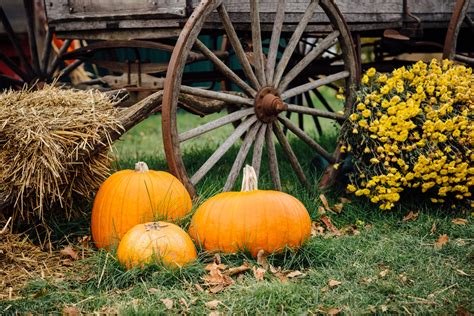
(413, 129)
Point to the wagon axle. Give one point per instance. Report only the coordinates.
(268, 104)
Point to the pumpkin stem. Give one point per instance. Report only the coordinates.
(153, 226)
(249, 179)
(141, 167)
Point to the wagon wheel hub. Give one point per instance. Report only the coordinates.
(268, 104)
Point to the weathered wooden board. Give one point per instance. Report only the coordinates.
(127, 19)
(76, 10)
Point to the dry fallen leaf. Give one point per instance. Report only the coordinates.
(153, 290)
(411, 216)
(198, 287)
(262, 259)
(403, 278)
(325, 202)
(316, 229)
(442, 240)
(383, 273)
(259, 273)
(333, 311)
(294, 274)
(167, 302)
(344, 200)
(236, 270)
(461, 272)
(71, 311)
(383, 308)
(459, 221)
(69, 252)
(216, 280)
(212, 304)
(334, 283)
(327, 221)
(338, 207)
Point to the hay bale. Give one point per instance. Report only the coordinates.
(43, 136)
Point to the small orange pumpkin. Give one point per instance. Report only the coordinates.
(160, 241)
(131, 197)
(251, 220)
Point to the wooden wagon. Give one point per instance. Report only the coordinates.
(264, 61)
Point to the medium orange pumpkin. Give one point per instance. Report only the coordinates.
(250, 220)
(162, 242)
(131, 197)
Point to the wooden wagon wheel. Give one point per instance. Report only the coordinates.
(450, 44)
(265, 88)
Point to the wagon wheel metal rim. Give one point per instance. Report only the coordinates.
(265, 88)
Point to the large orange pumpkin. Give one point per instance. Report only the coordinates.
(131, 197)
(250, 220)
(161, 242)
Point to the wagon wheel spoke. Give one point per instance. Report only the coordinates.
(291, 155)
(224, 69)
(14, 67)
(70, 68)
(257, 42)
(235, 42)
(57, 59)
(299, 100)
(258, 149)
(312, 111)
(46, 51)
(226, 145)
(15, 41)
(30, 19)
(327, 42)
(275, 40)
(310, 103)
(226, 97)
(314, 84)
(307, 139)
(272, 158)
(295, 37)
(241, 155)
(202, 129)
(323, 100)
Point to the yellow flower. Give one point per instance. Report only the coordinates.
(353, 116)
(374, 161)
(365, 79)
(371, 72)
(351, 188)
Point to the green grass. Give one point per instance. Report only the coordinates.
(421, 279)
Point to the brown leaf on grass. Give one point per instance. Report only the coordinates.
(327, 221)
(198, 287)
(383, 308)
(216, 280)
(321, 210)
(236, 270)
(461, 311)
(262, 259)
(411, 216)
(69, 252)
(317, 229)
(167, 302)
(461, 272)
(334, 283)
(294, 274)
(459, 221)
(383, 273)
(212, 304)
(433, 229)
(153, 290)
(403, 278)
(259, 273)
(349, 230)
(323, 199)
(442, 240)
(344, 200)
(333, 311)
(338, 207)
(70, 311)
